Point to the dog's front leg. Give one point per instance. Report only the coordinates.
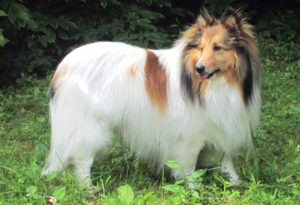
(185, 154)
(228, 168)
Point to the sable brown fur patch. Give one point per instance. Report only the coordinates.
(231, 77)
(156, 81)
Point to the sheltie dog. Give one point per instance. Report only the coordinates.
(170, 104)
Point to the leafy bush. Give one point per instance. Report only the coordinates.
(34, 35)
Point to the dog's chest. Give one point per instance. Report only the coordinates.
(223, 104)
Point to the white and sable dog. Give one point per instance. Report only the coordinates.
(169, 104)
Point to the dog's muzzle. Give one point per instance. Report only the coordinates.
(203, 74)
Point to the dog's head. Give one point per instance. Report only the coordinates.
(216, 47)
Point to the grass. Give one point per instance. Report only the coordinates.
(271, 178)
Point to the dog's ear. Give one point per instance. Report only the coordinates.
(232, 20)
(204, 19)
(238, 27)
(194, 32)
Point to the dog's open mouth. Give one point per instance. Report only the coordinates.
(206, 75)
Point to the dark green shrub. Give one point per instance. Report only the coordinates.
(35, 35)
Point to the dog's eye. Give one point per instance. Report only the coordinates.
(217, 48)
(200, 49)
(192, 45)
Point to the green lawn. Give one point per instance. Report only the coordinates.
(273, 177)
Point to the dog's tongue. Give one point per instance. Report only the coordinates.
(204, 77)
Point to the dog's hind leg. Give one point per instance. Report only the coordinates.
(63, 131)
(56, 163)
(95, 137)
(77, 133)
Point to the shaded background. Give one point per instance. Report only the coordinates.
(35, 35)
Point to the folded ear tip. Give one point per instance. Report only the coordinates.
(233, 11)
(205, 17)
(203, 10)
(232, 14)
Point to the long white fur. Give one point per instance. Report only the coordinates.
(97, 95)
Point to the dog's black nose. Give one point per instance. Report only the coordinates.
(200, 69)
